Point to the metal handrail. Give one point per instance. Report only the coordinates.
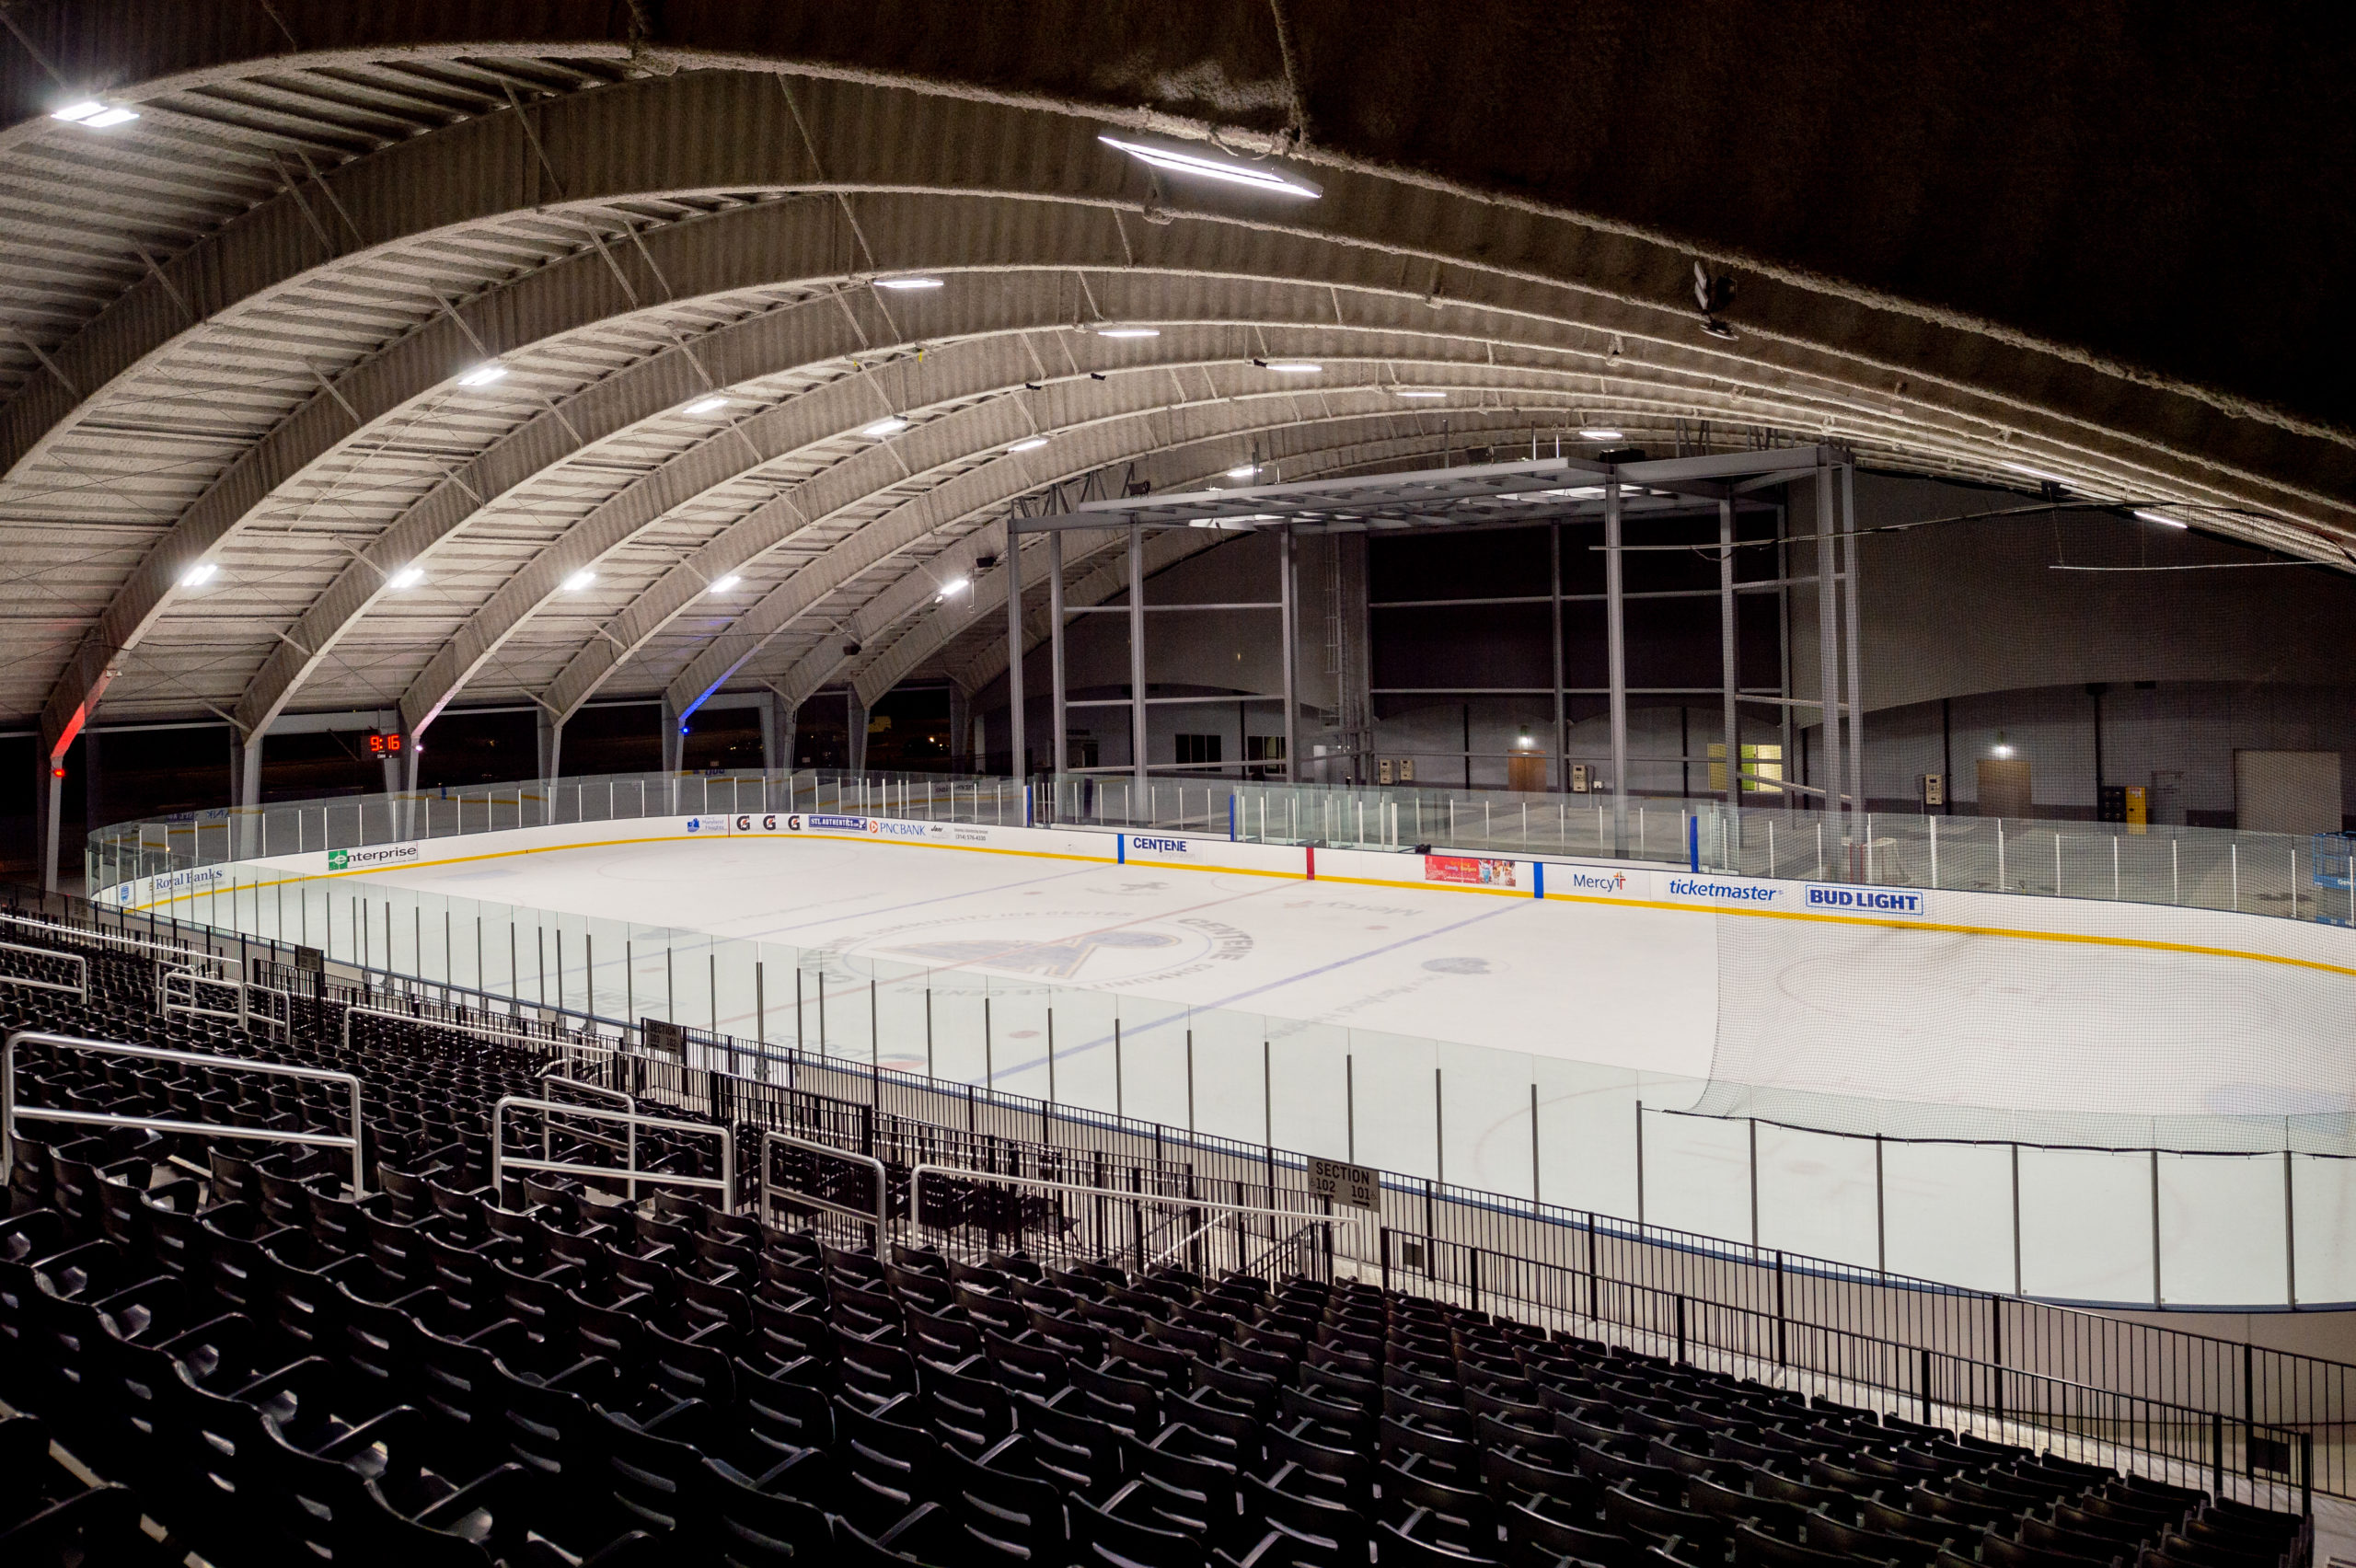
(481, 1032)
(10, 1109)
(166, 1004)
(188, 957)
(501, 1161)
(882, 1218)
(917, 1176)
(80, 991)
(550, 1075)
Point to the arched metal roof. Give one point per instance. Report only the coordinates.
(242, 329)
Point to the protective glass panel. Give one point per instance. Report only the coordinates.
(1818, 1195)
(1308, 1067)
(1229, 1074)
(1391, 1109)
(1083, 1072)
(1019, 1037)
(1150, 1060)
(1697, 1175)
(1586, 1135)
(1947, 1212)
(2323, 1208)
(2223, 1232)
(1485, 1119)
(2086, 1224)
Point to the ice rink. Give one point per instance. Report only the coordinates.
(1933, 1019)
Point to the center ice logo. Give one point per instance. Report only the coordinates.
(1056, 960)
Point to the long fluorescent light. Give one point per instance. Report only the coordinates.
(483, 375)
(1599, 433)
(407, 577)
(2033, 473)
(1029, 444)
(885, 427)
(108, 118)
(954, 585)
(1258, 176)
(1414, 392)
(198, 574)
(908, 282)
(94, 114)
(705, 406)
(579, 580)
(1128, 331)
(722, 584)
(1294, 367)
(2163, 522)
(1246, 472)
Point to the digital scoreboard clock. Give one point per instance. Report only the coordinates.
(385, 742)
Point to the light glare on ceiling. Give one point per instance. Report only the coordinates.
(1601, 433)
(94, 114)
(1257, 176)
(198, 574)
(954, 585)
(407, 577)
(2033, 473)
(722, 584)
(1029, 444)
(706, 406)
(579, 580)
(2163, 520)
(483, 375)
(1246, 472)
(885, 427)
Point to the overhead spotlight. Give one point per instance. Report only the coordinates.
(483, 375)
(97, 116)
(1128, 331)
(1415, 392)
(885, 427)
(579, 580)
(407, 577)
(2162, 521)
(2002, 750)
(1259, 177)
(908, 282)
(1246, 472)
(705, 406)
(1713, 292)
(200, 573)
(954, 585)
(722, 584)
(1029, 444)
(1292, 367)
(1599, 433)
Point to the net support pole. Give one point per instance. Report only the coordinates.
(1136, 656)
(1828, 639)
(1616, 634)
(1061, 758)
(1015, 651)
(1288, 606)
(1727, 658)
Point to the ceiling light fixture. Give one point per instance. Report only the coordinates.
(1415, 392)
(407, 577)
(1599, 433)
(1029, 444)
(908, 282)
(200, 573)
(1246, 472)
(1258, 176)
(1128, 331)
(706, 406)
(954, 585)
(94, 114)
(2033, 473)
(1294, 367)
(579, 580)
(722, 584)
(885, 427)
(2163, 520)
(483, 375)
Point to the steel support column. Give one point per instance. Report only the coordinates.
(1015, 740)
(1061, 758)
(675, 749)
(1828, 641)
(1729, 657)
(1137, 653)
(1288, 604)
(52, 808)
(1555, 597)
(855, 729)
(1856, 725)
(549, 731)
(1616, 638)
(961, 731)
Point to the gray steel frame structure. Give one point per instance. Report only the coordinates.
(1499, 495)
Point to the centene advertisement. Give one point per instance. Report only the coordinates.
(1467, 870)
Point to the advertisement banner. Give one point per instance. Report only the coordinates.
(1596, 881)
(370, 858)
(1466, 871)
(1830, 898)
(1725, 893)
